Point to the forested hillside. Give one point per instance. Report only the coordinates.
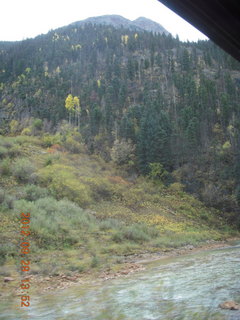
(150, 103)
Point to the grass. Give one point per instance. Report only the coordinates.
(84, 215)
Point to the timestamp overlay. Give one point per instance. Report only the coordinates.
(25, 263)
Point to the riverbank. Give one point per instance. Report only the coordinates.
(208, 245)
(131, 264)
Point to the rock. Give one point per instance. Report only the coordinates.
(189, 247)
(8, 279)
(231, 305)
(71, 278)
(124, 272)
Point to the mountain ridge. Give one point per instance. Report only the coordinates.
(117, 21)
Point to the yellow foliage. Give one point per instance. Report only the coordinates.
(26, 132)
(76, 102)
(231, 130)
(72, 189)
(217, 129)
(69, 104)
(49, 140)
(226, 146)
(72, 103)
(162, 223)
(63, 182)
(124, 39)
(176, 187)
(14, 126)
(28, 70)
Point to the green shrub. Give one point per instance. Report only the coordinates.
(76, 135)
(48, 161)
(22, 140)
(2, 195)
(73, 146)
(14, 126)
(101, 188)
(9, 201)
(3, 152)
(79, 268)
(176, 187)
(176, 240)
(122, 151)
(7, 250)
(56, 223)
(64, 128)
(51, 159)
(49, 140)
(23, 170)
(71, 189)
(33, 192)
(118, 237)
(37, 124)
(63, 183)
(14, 151)
(136, 233)
(95, 262)
(8, 148)
(110, 224)
(26, 132)
(5, 167)
(157, 171)
(6, 142)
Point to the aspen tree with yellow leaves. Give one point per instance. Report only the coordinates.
(69, 104)
(72, 104)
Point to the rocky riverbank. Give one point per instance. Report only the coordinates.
(131, 264)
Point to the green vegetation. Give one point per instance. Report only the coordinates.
(88, 216)
(118, 142)
(175, 109)
(22, 170)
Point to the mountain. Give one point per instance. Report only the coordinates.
(140, 24)
(149, 25)
(146, 101)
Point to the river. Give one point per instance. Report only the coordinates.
(186, 287)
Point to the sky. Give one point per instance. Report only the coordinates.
(22, 19)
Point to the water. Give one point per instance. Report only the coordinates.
(187, 287)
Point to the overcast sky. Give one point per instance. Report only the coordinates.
(21, 19)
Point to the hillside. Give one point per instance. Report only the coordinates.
(144, 100)
(86, 213)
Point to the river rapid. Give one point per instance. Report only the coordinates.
(186, 287)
